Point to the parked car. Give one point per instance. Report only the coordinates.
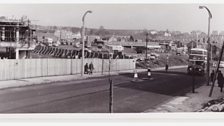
(140, 59)
(152, 57)
(178, 53)
(154, 54)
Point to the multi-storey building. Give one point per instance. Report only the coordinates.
(16, 38)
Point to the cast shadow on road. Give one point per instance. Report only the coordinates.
(166, 85)
(144, 74)
(171, 72)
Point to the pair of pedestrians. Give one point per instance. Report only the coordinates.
(88, 68)
(220, 79)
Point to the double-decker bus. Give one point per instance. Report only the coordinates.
(197, 61)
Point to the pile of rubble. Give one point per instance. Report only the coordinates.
(216, 105)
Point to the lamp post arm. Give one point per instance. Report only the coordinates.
(83, 17)
(209, 12)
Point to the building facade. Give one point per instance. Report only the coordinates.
(16, 38)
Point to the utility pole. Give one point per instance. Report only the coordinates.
(111, 89)
(211, 53)
(197, 39)
(60, 35)
(29, 39)
(146, 45)
(193, 80)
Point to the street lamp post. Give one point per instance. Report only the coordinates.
(197, 39)
(83, 40)
(209, 44)
(146, 45)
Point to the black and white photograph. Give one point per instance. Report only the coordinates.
(111, 58)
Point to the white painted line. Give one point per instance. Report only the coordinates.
(172, 74)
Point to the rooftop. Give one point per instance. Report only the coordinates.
(131, 43)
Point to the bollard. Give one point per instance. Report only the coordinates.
(149, 73)
(135, 75)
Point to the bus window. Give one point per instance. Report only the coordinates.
(196, 52)
(201, 63)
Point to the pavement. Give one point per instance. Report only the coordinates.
(191, 102)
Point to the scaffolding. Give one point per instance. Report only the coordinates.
(17, 37)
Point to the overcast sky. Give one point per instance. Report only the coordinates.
(182, 17)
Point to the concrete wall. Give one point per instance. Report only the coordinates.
(26, 68)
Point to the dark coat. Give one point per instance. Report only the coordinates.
(220, 79)
(167, 67)
(86, 68)
(91, 67)
(212, 76)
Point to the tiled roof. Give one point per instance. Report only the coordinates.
(131, 43)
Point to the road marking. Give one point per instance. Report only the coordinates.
(172, 74)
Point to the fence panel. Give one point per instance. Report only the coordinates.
(38, 67)
(6, 69)
(32, 68)
(13, 64)
(97, 64)
(106, 65)
(62, 67)
(68, 66)
(26, 68)
(1, 69)
(57, 66)
(74, 66)
(21, 69)
(29, 69)
(78, 66)
(44, 67)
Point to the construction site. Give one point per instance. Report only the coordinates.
(17, 38)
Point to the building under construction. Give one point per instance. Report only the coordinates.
(17, 38)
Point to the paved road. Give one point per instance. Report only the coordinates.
(92, 95)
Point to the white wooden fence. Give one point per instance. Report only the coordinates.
(26, 68)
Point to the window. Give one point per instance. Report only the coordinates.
(196, 52)
(195, 57)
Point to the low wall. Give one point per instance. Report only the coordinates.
(26, 68)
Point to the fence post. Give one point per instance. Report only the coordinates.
(71, 65)
(41, 64)
(102, 66)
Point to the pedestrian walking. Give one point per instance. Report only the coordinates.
(91, 68)
(86, 68)
(220, 80)
(167, 67)
(212, 76)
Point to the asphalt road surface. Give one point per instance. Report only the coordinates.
(92, 95)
